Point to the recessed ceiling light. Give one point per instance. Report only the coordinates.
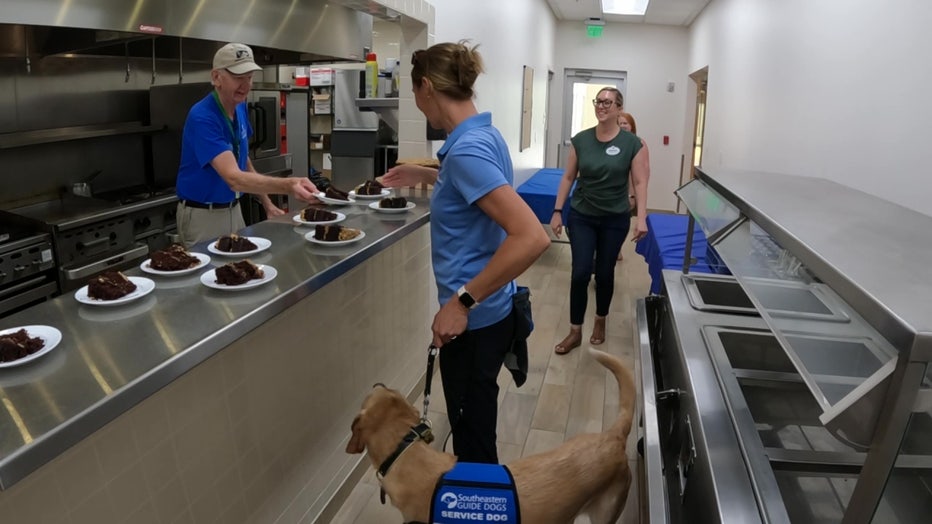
(624, 7)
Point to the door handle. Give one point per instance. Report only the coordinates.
(97, 242)
(254, 120)
(262, 132)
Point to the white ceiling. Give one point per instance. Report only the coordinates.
(662, 12)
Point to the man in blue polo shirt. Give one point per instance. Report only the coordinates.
(215, 167)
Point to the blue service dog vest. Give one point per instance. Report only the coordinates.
(475, 493)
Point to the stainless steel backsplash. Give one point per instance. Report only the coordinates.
(60, 92)
(91, 62)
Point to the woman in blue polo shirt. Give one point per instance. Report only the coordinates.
(215, 167)
(483, 235)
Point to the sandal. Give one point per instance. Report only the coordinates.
(598, 332)
(571, 342)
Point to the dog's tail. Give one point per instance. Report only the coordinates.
(626, 389)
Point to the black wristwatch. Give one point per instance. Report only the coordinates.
(557, 210)
(465, 298)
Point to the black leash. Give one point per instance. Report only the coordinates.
(432, 352)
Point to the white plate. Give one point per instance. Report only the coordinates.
(333, 201)
(209, 279)
(261, 245)
(48, 334)
(202, 260)
(375, 206)
(310, 238)
(340, 217)
(144, 286)
(385, 193)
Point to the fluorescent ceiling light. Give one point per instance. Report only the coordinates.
(624, 7)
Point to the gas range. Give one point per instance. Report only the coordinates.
(92, 235)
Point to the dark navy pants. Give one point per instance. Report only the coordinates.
(594, 240)
(469, 367)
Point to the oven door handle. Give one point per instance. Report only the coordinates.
(94, 243)
(139, 250)
(26, 292)
(262, 133)
(26, 284)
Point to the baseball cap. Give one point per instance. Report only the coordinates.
(235, 58)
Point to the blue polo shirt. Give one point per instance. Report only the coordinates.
(207, 133)
(474, 161)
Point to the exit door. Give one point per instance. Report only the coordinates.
(579, 89)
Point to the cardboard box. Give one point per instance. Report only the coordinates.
(321, 76)
(322, 104)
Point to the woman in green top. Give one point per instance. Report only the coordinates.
(599, 214)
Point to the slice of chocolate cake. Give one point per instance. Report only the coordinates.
(14, 346)
(236, 273)
(336, 194)
(234, 244)
(173, 258)
(317, 215)
(110, 286)
(393, 203)
(334, 233)
(370, 187)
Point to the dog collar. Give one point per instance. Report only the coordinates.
(419, 432)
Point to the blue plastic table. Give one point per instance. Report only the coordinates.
(665, 245)
(540, 192)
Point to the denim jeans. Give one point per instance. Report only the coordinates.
(594, 240)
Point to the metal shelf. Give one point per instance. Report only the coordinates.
(377, 103)
(387, 108)
(64, 134)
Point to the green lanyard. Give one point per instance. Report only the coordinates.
(230, 126)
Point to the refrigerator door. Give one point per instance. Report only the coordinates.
(346, 115)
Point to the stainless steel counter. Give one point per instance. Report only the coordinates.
(111, 358)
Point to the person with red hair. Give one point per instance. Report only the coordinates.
(626, 122)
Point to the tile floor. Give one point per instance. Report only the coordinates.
(563, 396)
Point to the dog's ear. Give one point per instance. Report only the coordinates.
(356, 445)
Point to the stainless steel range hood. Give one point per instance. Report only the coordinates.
(281, 31)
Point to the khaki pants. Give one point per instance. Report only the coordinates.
(197, 225)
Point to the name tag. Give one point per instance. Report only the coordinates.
(612, 151)
(475, 493)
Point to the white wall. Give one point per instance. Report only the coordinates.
(511, 34)
(386, 41)
(837, 89)
(652, 55)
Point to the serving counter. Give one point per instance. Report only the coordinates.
(195, 402)
(799, 388)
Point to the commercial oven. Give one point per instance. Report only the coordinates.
(799, 389)
(265, 117)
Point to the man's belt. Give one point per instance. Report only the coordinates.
(201, 205)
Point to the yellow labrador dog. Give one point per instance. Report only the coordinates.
(587, 474)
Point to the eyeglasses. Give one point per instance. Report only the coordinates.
(603, 102)
(419, 61)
